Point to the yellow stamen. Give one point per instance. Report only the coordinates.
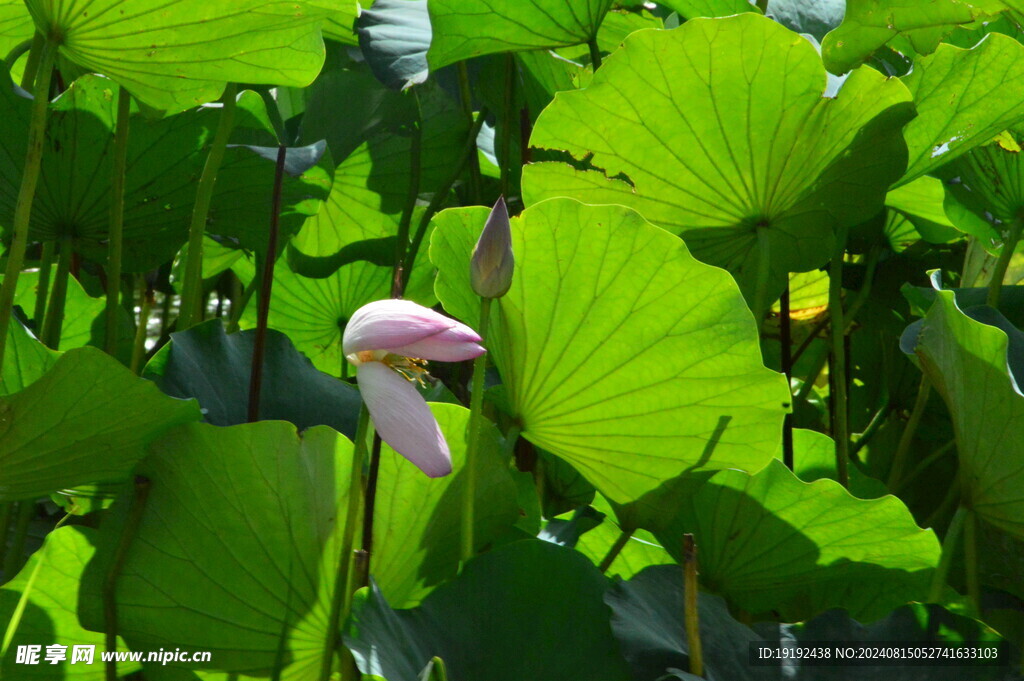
(413, 369)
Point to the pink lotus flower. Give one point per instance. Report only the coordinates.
(388, 342)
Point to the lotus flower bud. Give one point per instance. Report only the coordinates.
(492, 263)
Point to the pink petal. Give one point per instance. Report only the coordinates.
(396, 324)
(451, 345)
(403, 419)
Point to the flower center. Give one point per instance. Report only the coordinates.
(413, 369)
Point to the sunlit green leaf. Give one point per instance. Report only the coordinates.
(966, 360)
(178, 55)
(85, 420)
(964, 98)
(732, 147)
(770, 542)
(50, 579)
(614, 357)
(470, 28)
(985, 191)
(237, 546)
(25, 359)
(417, 525)
(371, 184)
(870, 24)
(15, 25)
(694, 9)
(313, 312)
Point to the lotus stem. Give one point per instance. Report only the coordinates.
(899, 459)
(124, 542)
(369, 505)
(595, 53)
(948, 547)
(401, 274)
(35, 55)
(691, 616)
(341, 599)
(995, 284)
(476, 406)
(145, 308)
(786, 349)
(506, 129)
(192, 284)
(266, 288)
(441, 195)
(615, 550)
(49, 252)
(27, 191)
(971, 562)
(466, 99)
(115, 244)
(54, 319)
(840, 426)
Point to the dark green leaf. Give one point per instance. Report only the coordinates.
(214, 368)
(485, 624)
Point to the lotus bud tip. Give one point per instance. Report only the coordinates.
(492, 264)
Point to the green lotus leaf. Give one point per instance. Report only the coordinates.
(527, 610)
(417, 522)
(179, 55)
(916, 211)
(80, 309)
(771, 542)
(50, 583)
(964, 98)
(371, 184)
(651, 631)
(870, 24)
(25, 359)
(87, 419)
(641, 551)
(237, 548)
(394, 36)
(732, 147)
(914, 624)
(15, 25)
(814, 458)
(165, 160)
(648, 621)
(966, 361)
(214, 368)
(814, 17)
(313, 312)
(340, 26)
(471, 28)
(694, 9)
(625, 366)
(985, 189)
